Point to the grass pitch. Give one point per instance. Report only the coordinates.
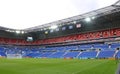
(57, 66)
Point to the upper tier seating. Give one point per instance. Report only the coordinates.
(77, 37)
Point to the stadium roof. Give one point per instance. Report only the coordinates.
(96, 13)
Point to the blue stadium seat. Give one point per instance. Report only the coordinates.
(118, 54)
(88, 54)
(84, 47)
(57, 55)
(71, 47)
(71, 54)
(46, 54)
(101, 46)
(106, 54)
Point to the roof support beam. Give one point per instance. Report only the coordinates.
(117, 3)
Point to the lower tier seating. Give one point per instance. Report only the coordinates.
(75, 51)
(71, 54)
(88, 54)
(106, 54)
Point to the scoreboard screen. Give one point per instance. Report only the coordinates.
(29, 39)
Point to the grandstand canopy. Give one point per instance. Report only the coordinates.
(25, 14)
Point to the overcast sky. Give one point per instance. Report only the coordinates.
(21, 14)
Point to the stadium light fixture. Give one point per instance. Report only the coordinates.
(17, 31)
(73, 22)
(87, 19)
(12, 31)
(53, 27)
(41, 29)
(45, 29)
(46, 32)
(8, 30)
(93, 18)
(22, 32)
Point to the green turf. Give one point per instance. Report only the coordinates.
(57, 66)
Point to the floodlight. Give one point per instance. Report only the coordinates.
(8, 30)
(46, 32)
(22, 32)
(41, 29)
(53, 27)
(74, 22)
(51, 31)
(93, 17)
(12, 31)
(45, 29)
(17, 32)
(88, 19)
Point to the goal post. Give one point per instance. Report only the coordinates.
(14, 56)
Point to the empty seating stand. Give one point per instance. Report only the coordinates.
(101, 46)
(73, 51)
(71, 47)
(115, 45)
(57, 55)
(106, 54)
(71, 54)
(84, 47)
(88, 54)
(118, 54)
(33, 55)
(2, 52)
(46, 54)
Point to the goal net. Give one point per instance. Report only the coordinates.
(14, 56)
